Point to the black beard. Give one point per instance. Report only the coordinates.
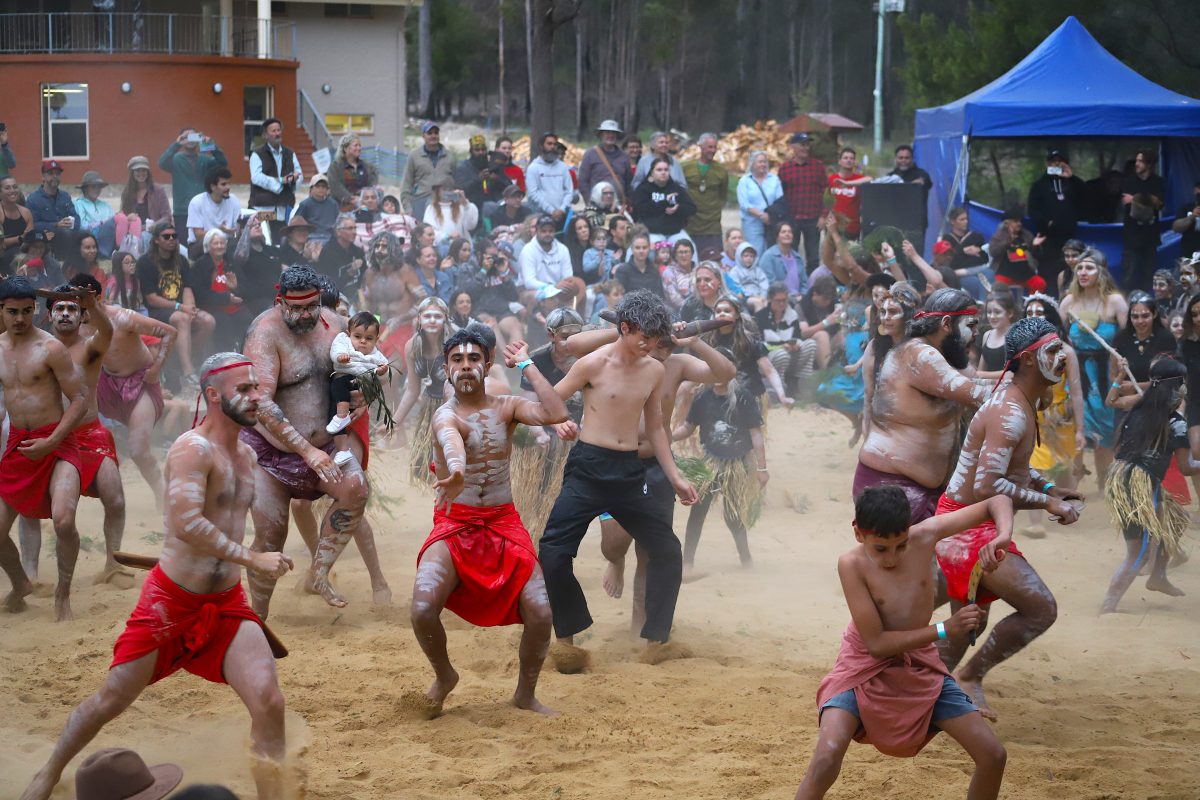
(300, 325)
(955, 352)
(235, 415)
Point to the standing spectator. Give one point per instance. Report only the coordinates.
(660, 147)
(1187, 225)
(803, 180)
(18, 222)
(1142, 195)
(632, 146)
(1055, 205)
(426, 167)
(95, 215)
(907, 171)
(53, 212)
(708, 184)
(484, 180)
(546, 262)
(504, 149)
(188, 159)
(783, 264)
(639, 271)
(341, 260)
(549, 182)
(348, 175)
(466, 172)
(320, 209)
(8, 161)
(606, 162)
(1013, 259)
(143, 203)
(274, 174)
(847, 201)
(166, 281)
(661, 204)
(213, 208)
(450, 213)
(756, 191)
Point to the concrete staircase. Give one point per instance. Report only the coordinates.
(299, 140)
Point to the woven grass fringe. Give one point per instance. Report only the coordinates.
(420, 448)
(738, 485)
(1135, 499)
(536, 473)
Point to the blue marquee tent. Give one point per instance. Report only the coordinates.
(1069, 86)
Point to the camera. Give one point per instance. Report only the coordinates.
(1055, 171)
(195, 138)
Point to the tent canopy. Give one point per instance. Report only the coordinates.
(1069, 86)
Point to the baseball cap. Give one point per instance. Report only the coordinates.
(428, 126)
(545, 293)
(797, 138)
(50, 164)
(138, 162)
(546, 219)
(1060, 154)
(512, 189)
(942, 246)
(318, 178)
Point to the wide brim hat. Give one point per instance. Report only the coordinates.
(92, 178)
(609, 126)
(119, 774)
(298, 222)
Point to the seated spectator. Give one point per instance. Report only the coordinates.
(319, 209)
(450, 213)
(733, 237)
(213, 208)
(460, 309)
(598, 261)
(431, 281)
(391, 204)
(782, 263)
(662, 255)
(84, 259)
(578, 238)
(749, 277)
(504, 150)
(342, 260)
(215, 287)
(52, 209)
(546, 262)
(677, 278)
(349, 174)
(708, 288)
(1012, 254)
(608, 295)
(96, 215)
(603, 204)
(820, 315)
(661, 204)
(510, 213)
(620, 229)
(779, 325)
(368, 209)
(36, 263)
(165, 278)
(498, 305)
(18, 222)
(143, 203)
(639, 272)
(258, 265)
(298, 246)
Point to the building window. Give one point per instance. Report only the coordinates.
(360, 10)
(64, 120)
(258, 103)
(339, 124)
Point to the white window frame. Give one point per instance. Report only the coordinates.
(49, 124)
(270, 109)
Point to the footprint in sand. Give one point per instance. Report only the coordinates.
(418, 705)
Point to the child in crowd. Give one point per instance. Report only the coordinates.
(749, 277)
(598, 262)
(889, 687)
(662, 255)
(609, 294)
(354, 353)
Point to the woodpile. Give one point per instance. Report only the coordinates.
(521, 153)
(734, 148)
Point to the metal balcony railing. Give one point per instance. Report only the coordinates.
(172, 34)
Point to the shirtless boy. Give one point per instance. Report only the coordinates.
(173, 627)
(995, 461)
(289, 346)
(479, 560)
(45, 461)
(620, 384)
(918, 400)
(889, 688)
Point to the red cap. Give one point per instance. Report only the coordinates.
(941, 247)
(51, 164)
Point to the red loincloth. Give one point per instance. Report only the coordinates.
(957, 555)
(1176, 485)
(493, 555)
(895, 695)
(393, 344)
(117, 396)
(190, 631)
(25, 484)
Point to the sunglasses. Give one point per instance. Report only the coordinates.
(166, 236)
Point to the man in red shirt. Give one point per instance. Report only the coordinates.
(843, 185)
(804, 182)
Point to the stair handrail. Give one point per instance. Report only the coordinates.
(313, 122)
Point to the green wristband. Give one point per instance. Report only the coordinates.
(521, 365)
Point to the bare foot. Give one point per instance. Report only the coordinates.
(14, 602)
(323, 587)
(974, 690)
(381, 595)
(309, 584)
(1110, 605)
(62, 609)
(1034, 532)
(419, 705)
(690, 574)
(658, 652)
(569, 659)
(116, 576)
(614, 578)
(531, 703)
(1165, 586)
(40, 787)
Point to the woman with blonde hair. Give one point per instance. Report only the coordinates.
(349, 174)
(425, 366)
(450, 213)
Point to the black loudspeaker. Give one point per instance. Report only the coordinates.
(895, 204)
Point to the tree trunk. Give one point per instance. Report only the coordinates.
(541, 80)
(529, 61)
(500, 51)
(580, 65)
(425, 59)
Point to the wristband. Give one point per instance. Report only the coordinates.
(763, 469)
(177, 306)
(521, 365)
(892, 260)
(1047, 487)
(941, 630)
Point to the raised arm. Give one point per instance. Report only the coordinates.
(146, 326)
(704, 364)
(586, 342)
(549, 408)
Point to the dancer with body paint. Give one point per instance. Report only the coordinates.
(289, 345)
(479, 560)
(995, 461)
(192, 612)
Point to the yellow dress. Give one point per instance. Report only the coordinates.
(1056, 426)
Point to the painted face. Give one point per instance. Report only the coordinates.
(465, 367)
(432, 320)
(997, 317)
(966, 327)
(706, 283)
(363, 338)
(1087, 272)
(1052, 360)
(300, 313)
(1187, 275)
(1035, 309)
(643, 344)
(67, 316)
(891, 316)
(240, 403)
(1177, 326)
(1162, 289)
(884, 551)
(1142, 318)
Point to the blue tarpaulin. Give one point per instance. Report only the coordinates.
(1069, 86)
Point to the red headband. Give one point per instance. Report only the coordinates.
(966, 312)
(211, 372)
(309, 296)
(1049, 337)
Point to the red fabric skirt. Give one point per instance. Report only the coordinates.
(957, 555)
(190, 631)
(493, 555)
(25, 484)
(1177, 485)
(393, 344)
(117, 396)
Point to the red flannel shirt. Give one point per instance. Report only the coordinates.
(804, 186)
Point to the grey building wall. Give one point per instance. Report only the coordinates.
(359, 59)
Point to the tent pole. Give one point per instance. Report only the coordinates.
(960, 181)
(879, 79)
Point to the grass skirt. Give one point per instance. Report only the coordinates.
(536, 473)
(1135, 499)
(734, 480)
(420, 447)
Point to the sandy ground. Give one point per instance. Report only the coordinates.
(1097, 708)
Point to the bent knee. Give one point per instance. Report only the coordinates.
(423, 613)
(992, 758)
(1047, 613)
(269, 702)
(63, 520)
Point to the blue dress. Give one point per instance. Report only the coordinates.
(844, 392)
(1099, 421)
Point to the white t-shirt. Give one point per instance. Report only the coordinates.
(205, 214)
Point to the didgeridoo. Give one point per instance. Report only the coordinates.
(56, 297)
(135, 561)
(687, 331)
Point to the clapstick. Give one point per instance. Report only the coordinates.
(57, 297)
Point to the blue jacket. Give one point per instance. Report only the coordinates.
(771, 262)
(48, 211)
